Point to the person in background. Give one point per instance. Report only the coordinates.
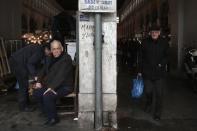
(54, 83)
(46, 59)
(24, 64)
(153, 60)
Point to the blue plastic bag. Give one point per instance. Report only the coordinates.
(138, 87)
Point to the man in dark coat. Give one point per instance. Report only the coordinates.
(24, 63)
(54, 83)
(153, 62)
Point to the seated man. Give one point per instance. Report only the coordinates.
(55, 80)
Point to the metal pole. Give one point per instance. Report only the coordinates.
(98, 72)
(77, 41)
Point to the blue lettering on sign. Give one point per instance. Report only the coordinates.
(90, 1)
(84, 17)
(107, 2)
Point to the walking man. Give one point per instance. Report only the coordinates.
(153, 62)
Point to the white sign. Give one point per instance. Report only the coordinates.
(97, 5)
(71, 49)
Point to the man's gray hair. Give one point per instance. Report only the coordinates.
(56, 41)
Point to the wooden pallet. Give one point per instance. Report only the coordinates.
(7, 79)
(4, 64)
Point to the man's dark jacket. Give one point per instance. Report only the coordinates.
(154, 57)
(27, 59)
(59, 74)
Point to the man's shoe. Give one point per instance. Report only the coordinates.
(147, 109)
(27, 109)
(157, 118)
(52, 122)
(42, 114)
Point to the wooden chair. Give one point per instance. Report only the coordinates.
(70, 107)
(69, 103)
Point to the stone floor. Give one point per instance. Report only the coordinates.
(179, 111)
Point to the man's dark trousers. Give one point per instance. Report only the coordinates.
(22, 78)
(47, 102)
(154, 94)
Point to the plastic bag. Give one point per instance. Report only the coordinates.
(137, 87)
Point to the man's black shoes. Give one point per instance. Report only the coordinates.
(27, 109)
(157, 118)
(147, 109)
(52, 122)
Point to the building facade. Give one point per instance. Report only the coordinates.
(136, 17)
(23, 16)
(176, 18)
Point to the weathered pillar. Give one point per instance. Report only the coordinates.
(180, 32)
(87, 74)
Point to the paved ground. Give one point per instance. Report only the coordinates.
(179, 113)
(13, 120)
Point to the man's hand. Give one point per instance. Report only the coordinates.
(159, 65)
(38, 85)
(139, 74)
(35, 78)
(49, 89)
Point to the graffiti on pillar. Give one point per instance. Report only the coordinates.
(87, 29)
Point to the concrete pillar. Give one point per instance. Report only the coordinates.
(180, 32)
(173, 20)
(177, 20)
(190, 23)
(87, 70)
